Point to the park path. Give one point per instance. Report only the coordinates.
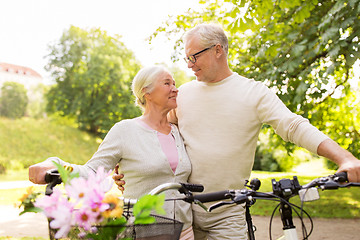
(35, 224)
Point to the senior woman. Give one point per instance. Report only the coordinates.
(148, 149)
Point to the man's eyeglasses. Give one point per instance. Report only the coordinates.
(192, 58)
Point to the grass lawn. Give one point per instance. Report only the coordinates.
(340, 203)
(12, 175)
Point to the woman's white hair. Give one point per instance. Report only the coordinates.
(144, 81)
(209, 34)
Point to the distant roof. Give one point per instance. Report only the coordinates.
(16, 69)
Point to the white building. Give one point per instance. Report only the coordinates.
(24, 75)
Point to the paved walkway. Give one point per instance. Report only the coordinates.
(15, 184)
(26, 225)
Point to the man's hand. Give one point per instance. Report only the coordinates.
(343, 158)
(37, 172)
(118, 179)
(352, 167)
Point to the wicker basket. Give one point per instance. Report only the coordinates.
(163, 229)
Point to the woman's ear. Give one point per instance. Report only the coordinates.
(146, 94)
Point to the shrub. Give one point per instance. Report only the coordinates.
(13, 100)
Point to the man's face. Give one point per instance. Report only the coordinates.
(202, 66)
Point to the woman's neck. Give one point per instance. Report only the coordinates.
(157, 121)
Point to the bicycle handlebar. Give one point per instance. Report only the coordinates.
(282, 189)
(285, 188)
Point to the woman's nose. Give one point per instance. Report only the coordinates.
(174, 89)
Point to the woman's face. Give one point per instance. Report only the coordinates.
(164, 92)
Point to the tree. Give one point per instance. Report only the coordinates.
(179, 75)
(13, 100)
(93, 73)
(302, 49)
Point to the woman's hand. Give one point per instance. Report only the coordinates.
(37, 172)
(118, 178)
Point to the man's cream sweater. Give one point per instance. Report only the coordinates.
(220, 124)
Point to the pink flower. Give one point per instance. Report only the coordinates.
(86, 194)
(62, 218)
(100, 180)
(77, 189)
(49, 203)
(86, 217)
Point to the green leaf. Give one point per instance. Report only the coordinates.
(298, 50)
(146, 204)
(65, 175)
(31, 209)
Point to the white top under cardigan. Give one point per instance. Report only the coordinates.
(138, 151)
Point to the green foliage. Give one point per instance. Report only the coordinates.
(179, 75)
(37, 103)
(93, 72)
(13, 100)
(28, 141)
(303, 50)
(144, 207)
(28, 200)
(65, 174)
(109, 231)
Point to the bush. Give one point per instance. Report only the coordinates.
(13, 100)
(264, 161)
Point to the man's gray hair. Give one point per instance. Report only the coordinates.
(209, 34)
(144, 81)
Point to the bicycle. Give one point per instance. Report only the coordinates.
(283, 190)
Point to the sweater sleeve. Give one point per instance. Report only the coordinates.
(107, 155)
(288, 125)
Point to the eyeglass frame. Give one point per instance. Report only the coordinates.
(187, 59)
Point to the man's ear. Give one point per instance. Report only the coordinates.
(219, 50)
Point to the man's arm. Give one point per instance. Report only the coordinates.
(172, 118)
(343, 158)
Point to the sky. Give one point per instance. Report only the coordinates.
(27, 27)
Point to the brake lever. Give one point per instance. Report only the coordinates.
(219, 204)
(201, 205)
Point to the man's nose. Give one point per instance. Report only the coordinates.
(190, 64)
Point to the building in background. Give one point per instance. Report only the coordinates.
(20, 74)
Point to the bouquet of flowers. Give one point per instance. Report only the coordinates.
(87, 207)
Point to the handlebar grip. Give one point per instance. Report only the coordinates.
(193, 187)
(341, 176)
(52, 175)
(215, 196)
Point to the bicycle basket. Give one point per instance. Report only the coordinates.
(163, 229)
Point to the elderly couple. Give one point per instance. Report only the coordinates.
(205, 132)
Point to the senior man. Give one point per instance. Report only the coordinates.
(220, 115)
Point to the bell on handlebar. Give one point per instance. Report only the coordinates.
(255, 184)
